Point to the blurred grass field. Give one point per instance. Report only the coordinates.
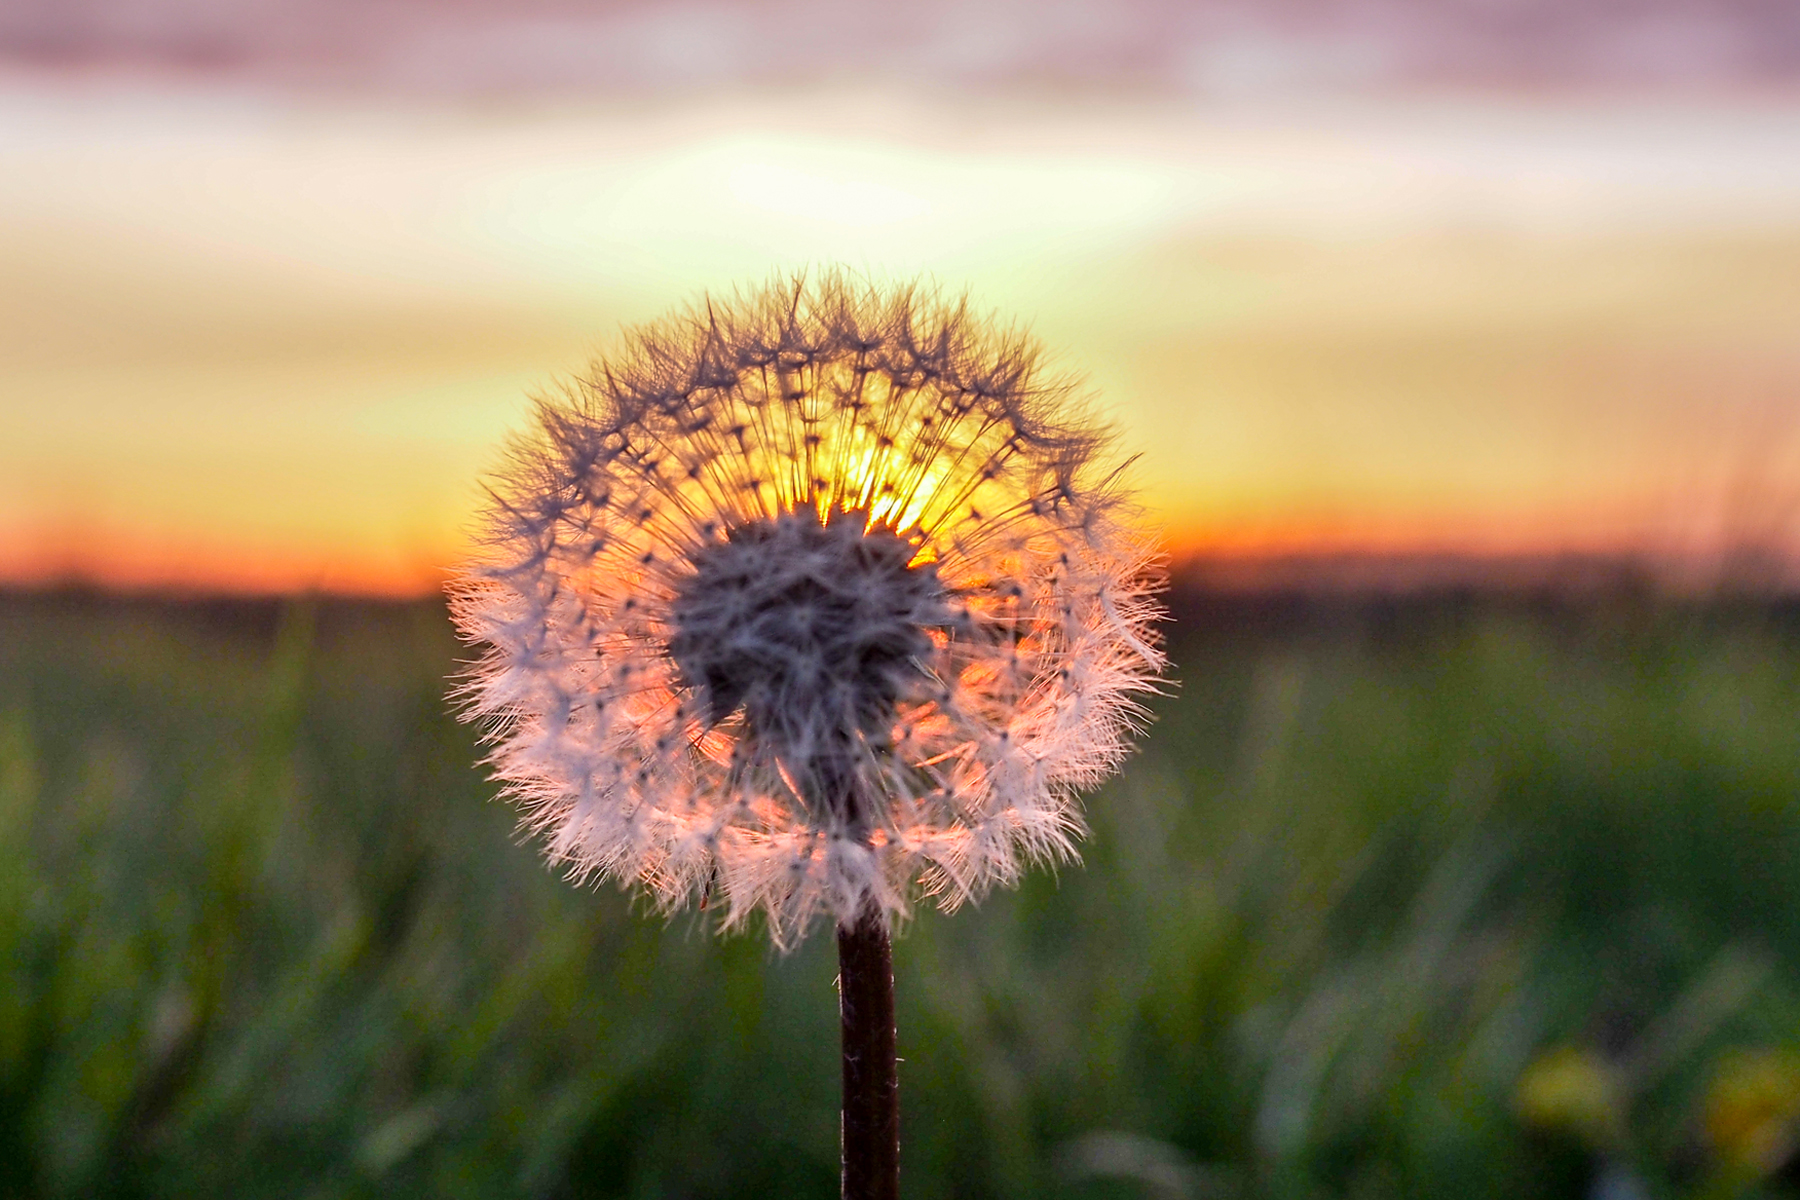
(1449, 897)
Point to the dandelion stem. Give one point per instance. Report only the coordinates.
(871, 1123)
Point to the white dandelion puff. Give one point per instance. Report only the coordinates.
(811, 602)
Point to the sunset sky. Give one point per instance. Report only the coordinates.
(264, 325)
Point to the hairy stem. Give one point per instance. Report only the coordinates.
(871, 1128)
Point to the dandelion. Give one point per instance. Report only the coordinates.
(812, 603)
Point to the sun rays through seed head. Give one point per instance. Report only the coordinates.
(818, 598)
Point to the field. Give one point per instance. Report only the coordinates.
(1459, 896)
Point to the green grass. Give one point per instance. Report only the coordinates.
(1445, 898)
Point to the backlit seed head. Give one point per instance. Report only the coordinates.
(810, 601)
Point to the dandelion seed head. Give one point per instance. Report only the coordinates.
(821, 598)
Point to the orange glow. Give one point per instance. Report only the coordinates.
(130, 562)
(283, 356)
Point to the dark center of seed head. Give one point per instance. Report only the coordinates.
(814, 630)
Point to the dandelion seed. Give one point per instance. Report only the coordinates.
(830, 665)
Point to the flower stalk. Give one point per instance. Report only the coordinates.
(871, 1118)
